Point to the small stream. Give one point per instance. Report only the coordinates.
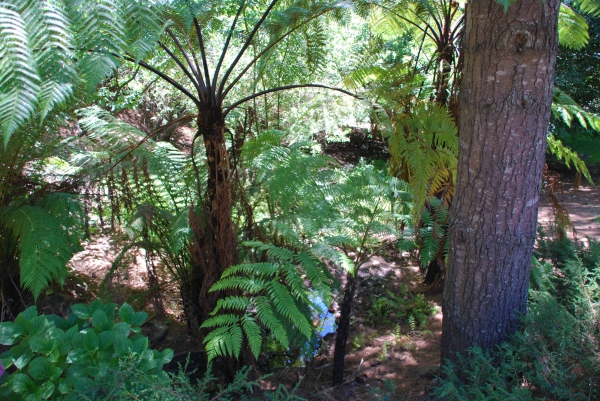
(300, 357)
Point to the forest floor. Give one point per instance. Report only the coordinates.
(382, 356)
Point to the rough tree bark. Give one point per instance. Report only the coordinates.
(505, 102)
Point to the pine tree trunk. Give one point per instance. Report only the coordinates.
(505, 105)
(341, 337)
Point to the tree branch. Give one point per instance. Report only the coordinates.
(288, 87)
(221, 96)
(204, 61)
(187, 58)
(245, 47)
(216, 76)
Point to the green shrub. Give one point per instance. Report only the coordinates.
(53, 356)
(127, 382)
(404, 307)
(554, 356)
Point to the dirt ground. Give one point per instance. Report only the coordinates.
(379, 356)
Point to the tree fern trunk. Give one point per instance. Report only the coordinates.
(341, 338)
(505, 105)
(214, 248)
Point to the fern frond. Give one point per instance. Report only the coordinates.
(425, 147)
(572, 28)
(101, 34)
(562, 152)
(142, 27)
(286, 306)
(253, 334)
(566, 109)
(224, 341)
(245, 284)
(51, 41)
(221, 320)
(180, 232)
(266, 315)
(232, 303)
(44, 247)
(253, 269)
(589, 7)
(19, 80)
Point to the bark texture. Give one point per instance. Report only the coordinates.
(505, 104)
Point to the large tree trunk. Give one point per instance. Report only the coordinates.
(505, 102)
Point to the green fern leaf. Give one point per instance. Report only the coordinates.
(19, 80)
(572, 28)
(589, 7)
(44, 247)
(253, 334)
(142, 27)
(249, 285)
(266, 315)
(221, 321)
(232, 303)
(285, 305)
(219, 342)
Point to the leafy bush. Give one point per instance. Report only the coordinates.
(555, 355)
(404, 307)
(53, 356)
(129, 382)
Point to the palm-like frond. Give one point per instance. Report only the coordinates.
(274, 294)
(562, 152)
(589, 7)
(142, 27)
(100, 37)
(424, 145)
(45, 246)
(572, 28)
(567, 110)
(19, 80)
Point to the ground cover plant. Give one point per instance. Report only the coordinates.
(554, 355)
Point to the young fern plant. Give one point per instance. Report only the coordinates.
(424, 149)
(567, 110)
(275, 296)
(433, 231)
(47, 234)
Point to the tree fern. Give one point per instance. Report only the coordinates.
(425, 146)
(272, 295)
